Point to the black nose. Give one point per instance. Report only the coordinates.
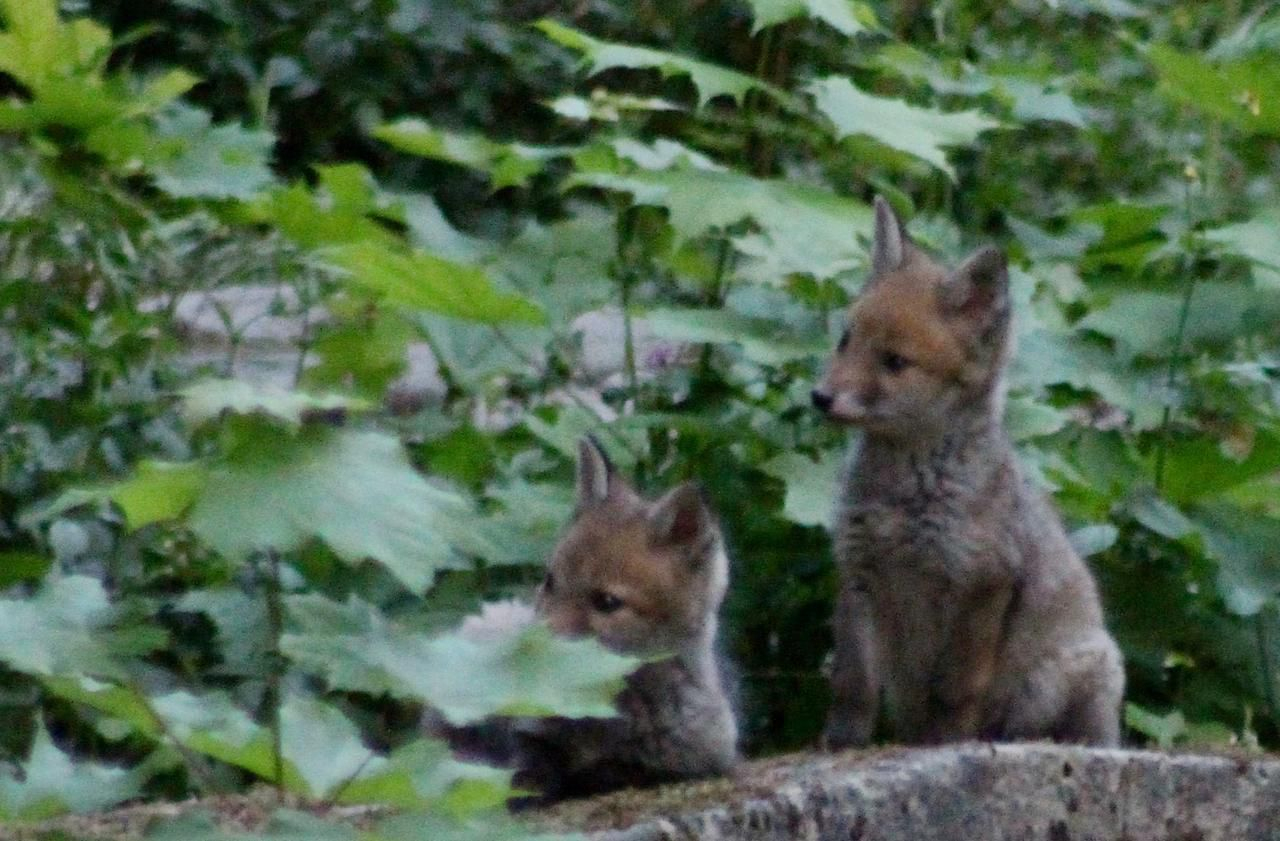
(821, 400)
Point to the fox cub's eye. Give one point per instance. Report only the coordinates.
(548, 583)
(605, 602)
(892, 362)
(844, 340)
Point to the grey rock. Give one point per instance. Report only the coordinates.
(964, 793)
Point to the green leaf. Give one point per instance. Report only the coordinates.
(1163, 729)
(1146, 323)
(1244, 93)
(1197, 468)
(157, 491)
(1090, 540)
(922, 132)
(846, 16)
(356, 491)
(192, 158)
(1025, 418)
(424, 773)
(285, 825)
(419, 281)
(242, 626)
(61, 630)
(523, 671)
(710, 80)
(1254, 239)
(801, 229)
(209, 400)
(51, 783)
(506, 164)
(811, 486)
(763, 342)
(1244, 545)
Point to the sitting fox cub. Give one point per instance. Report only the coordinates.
(960, 595)
(645, 578)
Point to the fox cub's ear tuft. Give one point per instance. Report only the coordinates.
(978, 290)
(595, 473)
(890, 244)
(681, 517)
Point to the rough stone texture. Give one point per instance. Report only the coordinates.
(966, 793)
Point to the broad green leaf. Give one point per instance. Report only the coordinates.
(573, 422)
(322, 749)
(922, 132)
(356, 491)
(51, 782)
(193, 158)
(811, 486)
(157, 491)
(424, 773)
(1090, 540)
(1047, 357)
(1244, 93)
(419, 281)
(1255, 240)
(847, 16)
(345, 208)
(1025, 418)
(524, 672)
(323, 746)
(1146, 323)
(801, 229)
(761, 341)
(1164, 730)
(1161, 516)
(1198, 469)
(61, 630)
(17, 566)
(285, 825)
(241, 621)
(1244, 545)
(209, 400)
(710, 80)
(506, 164)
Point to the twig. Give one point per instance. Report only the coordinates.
(275, 625)
(1175, 358)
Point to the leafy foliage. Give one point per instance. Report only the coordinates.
(190, 555)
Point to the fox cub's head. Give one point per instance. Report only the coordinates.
(920, 343)
(642, 577)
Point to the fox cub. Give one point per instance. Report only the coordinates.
(645, 578)
(960, 595)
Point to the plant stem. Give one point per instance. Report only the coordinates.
(1264, 659)
(275, 627)
(1175, 357)
(626, 232)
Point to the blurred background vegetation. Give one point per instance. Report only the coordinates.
(237, 540)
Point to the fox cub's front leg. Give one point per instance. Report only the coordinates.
(963, 677)
(855, 686)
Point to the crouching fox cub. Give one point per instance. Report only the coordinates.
(960, 596)
(644, 578)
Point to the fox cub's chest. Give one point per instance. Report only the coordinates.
(879, 541)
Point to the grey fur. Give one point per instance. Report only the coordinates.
(675, 719)
(961, 600)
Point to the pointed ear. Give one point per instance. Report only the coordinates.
(595, 473)
(890, 244)
(978, 290)
(681, 517)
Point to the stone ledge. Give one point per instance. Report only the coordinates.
(964, 793)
